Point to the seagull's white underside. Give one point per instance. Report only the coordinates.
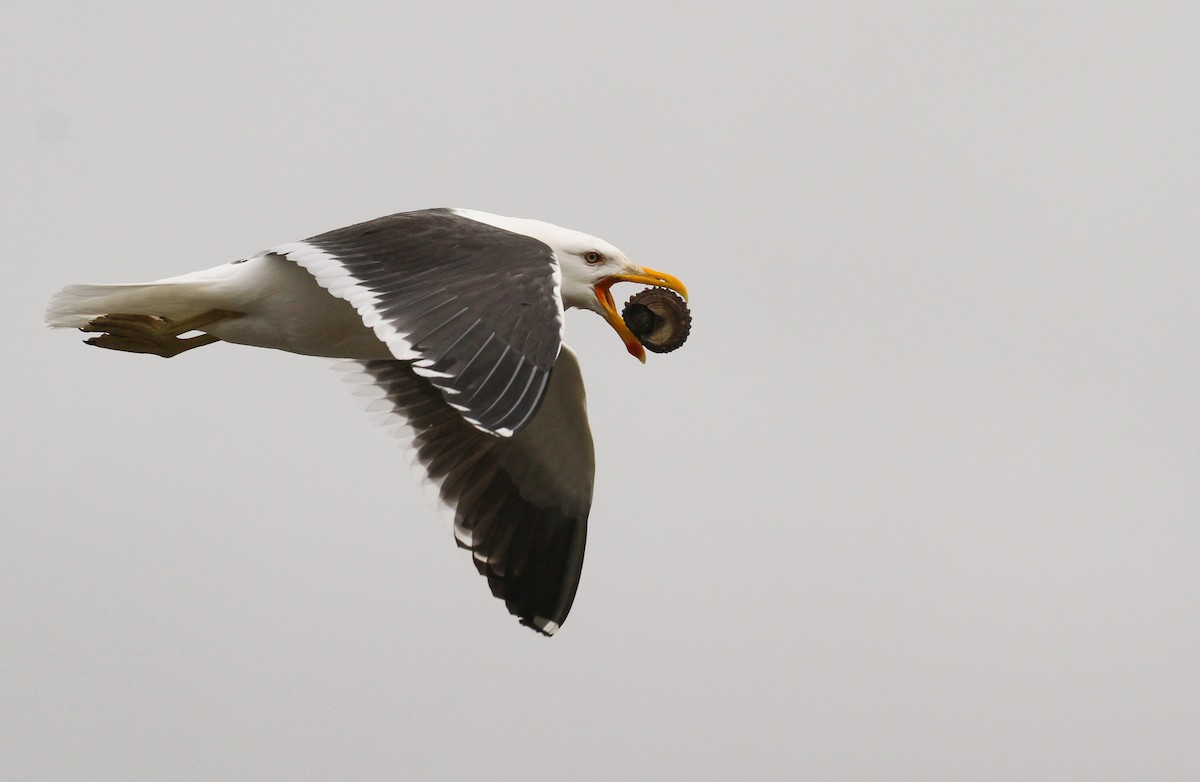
(283, 308)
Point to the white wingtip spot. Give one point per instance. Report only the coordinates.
(545, 625)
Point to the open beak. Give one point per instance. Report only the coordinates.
(609, 307)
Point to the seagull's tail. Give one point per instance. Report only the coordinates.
(76, 305)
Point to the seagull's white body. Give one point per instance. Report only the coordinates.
(455, 317)
(282, 305)
(285, 308)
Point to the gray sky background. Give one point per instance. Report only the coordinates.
(918, 500)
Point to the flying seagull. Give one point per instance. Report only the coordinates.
(453, 318)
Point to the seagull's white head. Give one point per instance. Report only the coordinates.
(590, 267)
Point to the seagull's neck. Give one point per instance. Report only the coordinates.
(553, 235)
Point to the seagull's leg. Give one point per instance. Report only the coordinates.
(152, 334)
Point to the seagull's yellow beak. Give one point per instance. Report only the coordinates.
(608, 307)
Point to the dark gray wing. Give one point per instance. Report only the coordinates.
(520, 503)
(477, 309)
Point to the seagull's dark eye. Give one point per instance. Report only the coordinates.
(593, 256)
